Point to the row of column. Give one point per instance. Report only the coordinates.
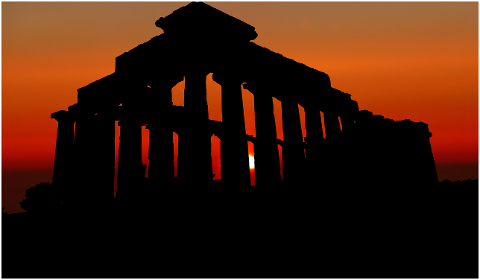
(94, 140)
(84, 155)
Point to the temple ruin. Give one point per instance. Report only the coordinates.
(358, 147)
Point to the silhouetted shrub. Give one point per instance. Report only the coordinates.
(43, 197)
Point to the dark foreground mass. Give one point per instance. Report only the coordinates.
(216, 231)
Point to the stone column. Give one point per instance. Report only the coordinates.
(314, 139)
(131, 170)
(333, 151)
(347, 117)
(418, 157)
(160, 154)
(64, 157)
(103, 147)
(196, 148)
(293, 149)
(431, 170)
(348, 142)
(86, 158)
(235, 168)
(313, 125)
(362, 144)
(181, 156)
(332, 125)
(160, 147)
(267, 162)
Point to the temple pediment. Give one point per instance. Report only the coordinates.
(198, 19)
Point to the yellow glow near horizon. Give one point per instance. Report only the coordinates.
(251, 161)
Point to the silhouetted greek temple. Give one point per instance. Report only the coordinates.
(357, 147)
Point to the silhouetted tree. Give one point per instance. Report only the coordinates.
(43, 197)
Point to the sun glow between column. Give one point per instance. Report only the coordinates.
(251, 162)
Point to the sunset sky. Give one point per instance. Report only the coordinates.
(403, 60)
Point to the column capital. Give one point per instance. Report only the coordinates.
(250, 138)
(131, 122)
(80, 111)
(155, 126)
(252, 87)
(62, 116)
(197, 71)
(227, 78)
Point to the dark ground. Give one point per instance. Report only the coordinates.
(336, 232)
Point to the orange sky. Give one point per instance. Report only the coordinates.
(398, 59)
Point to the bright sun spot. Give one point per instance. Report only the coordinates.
(251, 162)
